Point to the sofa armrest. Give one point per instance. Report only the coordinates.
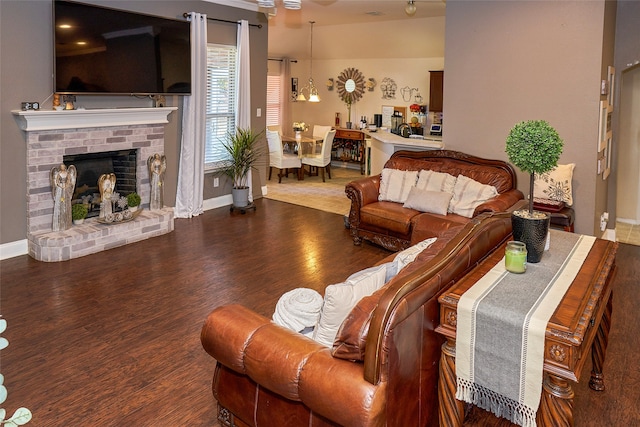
(501, 203)
(364, 191)
(290, 365)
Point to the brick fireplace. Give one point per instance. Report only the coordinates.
(51, 136)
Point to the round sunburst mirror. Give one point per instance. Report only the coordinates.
(350, 85)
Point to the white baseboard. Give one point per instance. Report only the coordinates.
(14, 249)
(628, 221)
(217, 202)
(609, 234)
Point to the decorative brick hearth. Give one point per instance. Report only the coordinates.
(46, 146)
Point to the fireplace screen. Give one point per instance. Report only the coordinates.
(92, 165)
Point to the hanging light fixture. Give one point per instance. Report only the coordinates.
(310, 88)
(410, 8)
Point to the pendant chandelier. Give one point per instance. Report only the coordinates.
(311, 89)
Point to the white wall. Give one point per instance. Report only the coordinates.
(628, 209)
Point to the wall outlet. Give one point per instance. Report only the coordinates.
(216, 182)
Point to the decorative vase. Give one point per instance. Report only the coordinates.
(78, 221)
(298, 134)
(133, 208)
(240, 197)
(532, 231)
(349, 124)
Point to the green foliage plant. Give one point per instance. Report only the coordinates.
(133, 200)
(79, 211)
(244, 153)
(534, 147)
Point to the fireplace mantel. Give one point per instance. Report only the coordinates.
(75, 119)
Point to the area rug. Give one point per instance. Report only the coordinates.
(311, 192)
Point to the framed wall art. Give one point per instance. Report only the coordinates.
(602, 125)
(611, 79)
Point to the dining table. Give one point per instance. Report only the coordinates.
(303, 146)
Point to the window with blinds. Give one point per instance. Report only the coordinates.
(274, 97)
(221, 102)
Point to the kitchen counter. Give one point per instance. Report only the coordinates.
(384, 144)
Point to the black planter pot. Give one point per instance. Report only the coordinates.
(531, 231)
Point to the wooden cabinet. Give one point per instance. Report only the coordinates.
(436, 90)
(349, 146)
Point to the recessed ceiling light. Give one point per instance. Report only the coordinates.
(81, 43)
(64, 26)
(374, 13)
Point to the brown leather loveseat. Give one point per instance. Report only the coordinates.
(383, 367)
(389, 224)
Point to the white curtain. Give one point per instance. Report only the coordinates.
(191, 167)
(243, 117)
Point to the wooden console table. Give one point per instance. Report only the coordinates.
(349, 146)
(581, 320)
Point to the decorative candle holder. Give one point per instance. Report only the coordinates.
(515, 257)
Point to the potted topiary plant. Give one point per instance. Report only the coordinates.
(534, 147)
(244, 152)
(78, 213)
(133, 201)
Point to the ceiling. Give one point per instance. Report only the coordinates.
(342, 28)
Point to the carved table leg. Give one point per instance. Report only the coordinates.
(556, 404)
(451, 410)
(599, 348)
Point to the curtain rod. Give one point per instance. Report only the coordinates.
(186, 15)
(280, 59)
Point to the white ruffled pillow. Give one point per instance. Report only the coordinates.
(469, 194)
(395, 184)
(298, 310)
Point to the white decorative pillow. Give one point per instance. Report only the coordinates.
(436, 181)
(555, 184)
(469, 194)
(395, 184)
(428, 201)
(339, 300)
(298, 310)
(406, 256)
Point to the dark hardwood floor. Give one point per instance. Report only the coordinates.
(113, 338)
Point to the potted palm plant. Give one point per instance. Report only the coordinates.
(534, 147)
(244, 152)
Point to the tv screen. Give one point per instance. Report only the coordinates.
(106, 51)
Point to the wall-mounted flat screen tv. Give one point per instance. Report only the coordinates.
(100, 50)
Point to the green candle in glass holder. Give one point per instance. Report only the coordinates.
(515, 257)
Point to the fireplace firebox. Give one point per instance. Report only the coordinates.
(90, 166)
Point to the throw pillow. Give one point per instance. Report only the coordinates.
(428, 201)
(436, 181)
(395, 184)
(339, 300)
(405, 257)
(555, 184)
(298, 310)
(469, 194)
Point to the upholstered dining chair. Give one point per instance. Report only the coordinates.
(277, 128)
(323, 161)
(278, 158)
(320, 131)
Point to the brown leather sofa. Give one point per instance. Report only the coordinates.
(394, 227)
(383, 367)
